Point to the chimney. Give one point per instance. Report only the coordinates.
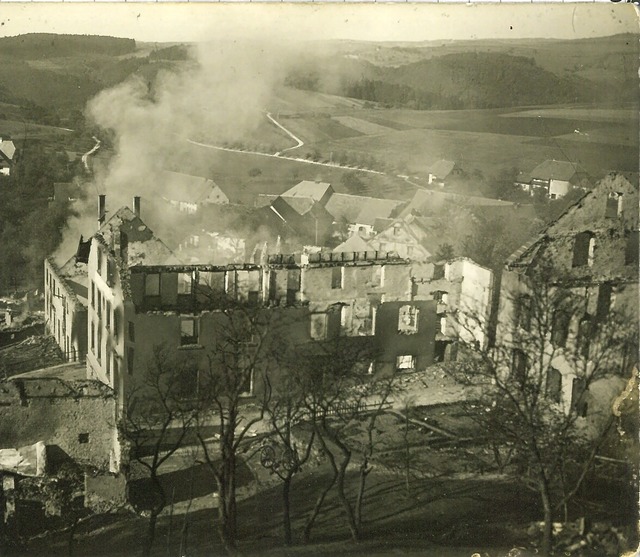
(101, 208)
(136, 205)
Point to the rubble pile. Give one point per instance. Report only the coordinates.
(32, 353)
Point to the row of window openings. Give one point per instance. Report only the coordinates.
(585, 244)
(553, 383)
(561, 319)
(96, 350)
(408, 319)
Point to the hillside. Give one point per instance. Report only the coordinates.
(45, 45)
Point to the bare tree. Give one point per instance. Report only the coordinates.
(535, 386)
(285, 458)
(343, 402)
(232, 394)
(157, 420)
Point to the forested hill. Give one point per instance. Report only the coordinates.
(43, 45)
(471, 80)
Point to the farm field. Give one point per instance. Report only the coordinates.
(487, 140)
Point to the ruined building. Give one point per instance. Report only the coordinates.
(591, 253)
(135, 295)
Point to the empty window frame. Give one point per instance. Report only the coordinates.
(583, 341)
(631, 249)
(553, 386)
(438, 272)
(519, 365)
(405, 362)
(188, 331)
(337, 277)
(583, 249)
(185, 284)
(152, 284)
(408, 320)
(560, 327)
(605, 291)
(132, 332)
(614, 205)
(524, 312)
(578, 397)
(318, 326)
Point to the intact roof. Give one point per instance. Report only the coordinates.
(425, 201)
(353, 243)
(442, 168)
(7, 148)
(176, 186)
(555, 170)
(143, 246)
(360, 209)
(307, 188)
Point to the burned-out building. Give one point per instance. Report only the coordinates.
(591, 253)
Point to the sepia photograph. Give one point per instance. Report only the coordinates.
(309, 279)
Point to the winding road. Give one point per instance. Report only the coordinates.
(279, 155)
(299, 141)
(85, 157)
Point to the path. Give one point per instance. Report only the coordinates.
(299, 141)
(85, 157)
(279, 156)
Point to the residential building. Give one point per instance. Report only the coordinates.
(463, 291)
(553, 179)
(408, 237)
(590, 251)
(188, 193)
(441, 171)
(7, 156)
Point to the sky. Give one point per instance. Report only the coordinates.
(182, 22)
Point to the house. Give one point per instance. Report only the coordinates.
(7, 156)
(408, 237)
(187, 193)
(353, 243)
(553, 179)
(591, 252)
(440, 171)
(358, 213)
(460, 287)
(317, 191)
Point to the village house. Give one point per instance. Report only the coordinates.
(408, 237)
(7, 156)
(591, 251)
(553, 179)
(359, 213)
(188, 193)
(441, 171)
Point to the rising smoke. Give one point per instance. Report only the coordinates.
(222, 93)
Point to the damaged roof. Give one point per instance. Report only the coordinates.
(143, 247)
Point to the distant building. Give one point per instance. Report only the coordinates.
(358, 213)
(441, 171)
(408, 237)
(7, 154)
(591, 250)
(553, 179)
(188, 193)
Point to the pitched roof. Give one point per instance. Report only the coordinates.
(7, 148)
(427, 201)
(353, 243)
(555, 170)
(442, 168)
(307, 188)
(360, 209)
(143, 245)
(175, 186)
